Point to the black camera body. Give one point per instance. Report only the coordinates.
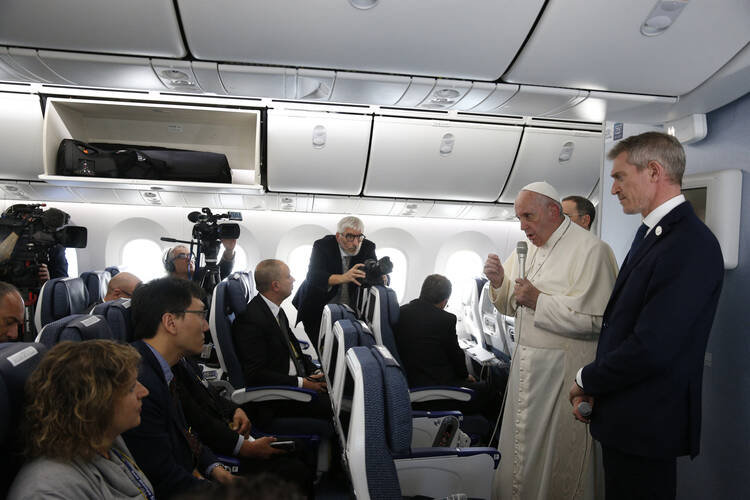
(209, 232)
(27, 233)
(375, 270)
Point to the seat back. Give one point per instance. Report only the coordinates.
(495, 325)
(77, 328)
(17, 361)
(112, 270)
(471, 315)
(331, 314)
(117, 314)
(368, 443)
(382, 317)
(230, 298)
(96, 283)
(58, 298)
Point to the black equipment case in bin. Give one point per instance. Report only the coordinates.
(127, 161)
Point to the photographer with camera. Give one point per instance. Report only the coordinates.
(336, 270)
(179, 261)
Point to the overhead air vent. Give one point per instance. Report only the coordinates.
(151, 197)
(446, 94)
(662, 16)
(287, 203)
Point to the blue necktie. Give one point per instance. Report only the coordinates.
(639, 237)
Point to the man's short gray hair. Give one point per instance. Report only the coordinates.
(352, 222)
(643, 148)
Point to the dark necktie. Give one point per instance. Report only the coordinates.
(637, 241)
(292, 342)
(345, 286)
(192, 440)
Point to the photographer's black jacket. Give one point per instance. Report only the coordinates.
(314, 293)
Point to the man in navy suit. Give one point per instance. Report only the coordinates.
(334, 273)
(169, 319)
(646, 378)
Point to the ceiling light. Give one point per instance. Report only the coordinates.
(363, 4)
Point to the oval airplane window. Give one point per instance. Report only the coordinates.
(72, 257)
(298, 261)
(398, 276)
(460, 267)
(143, 258)
(240, 258)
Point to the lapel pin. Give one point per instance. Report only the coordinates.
(658, 230)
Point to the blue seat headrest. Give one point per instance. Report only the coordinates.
(96, 283)
(117, 314)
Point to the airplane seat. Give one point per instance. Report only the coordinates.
(112, 270)
(331, 314)
(58, 298)
(494, 326)
(117, 314)
(17, 361)
(96, 283)
(77, 328)
(382, 316)
(382, 462)
(471, 311)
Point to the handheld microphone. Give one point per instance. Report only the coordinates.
(522, 249)
(585, 409)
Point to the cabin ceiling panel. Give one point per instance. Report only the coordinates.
(419, 37)
(412, 208)
(599, 45)
(334, 205)
(317, 152)
(10, 71)
(96, 195)
(439, 159)
(541, 101)
(28, 61)
(362, 88)
(48, 192)
(259, 81)
(143, 27)
(20, 136)
(569, 160)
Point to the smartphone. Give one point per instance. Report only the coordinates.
(284, 445)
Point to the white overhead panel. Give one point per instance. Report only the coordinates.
(477, 211)
(601, 106)
(446, 94)
(95, 195)
(317, 152)
(143, 27)
(446, 210)
(412, 158)
(314, 85)
(568, 159)
(28, 61)
(363, 88)
(541, 101)
(176, 75)
(207, 76)
(93, 70)
(259, 81)
(500, 96)
(418, 90)
(419, 37)
(334, 204)
(412, 208)
(20, 136)
(48, 192)
(8, 71)
(601, 46)
(202, 199)
(374, 206)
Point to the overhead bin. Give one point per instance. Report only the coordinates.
(317, 152)
(233, 132)
(142, 27)
(412, 158)
(20, 136)
(597, 45)
(419, 37)
(570, 160)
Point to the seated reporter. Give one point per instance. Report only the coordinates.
(81, 397)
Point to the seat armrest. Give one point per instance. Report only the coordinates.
(494, 453)
(272, 393)
(440, 392)
(437, 414)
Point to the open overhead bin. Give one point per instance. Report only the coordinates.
(317, 152)
(414, 158)
(570, 160)
(229, 131)
(20, 136)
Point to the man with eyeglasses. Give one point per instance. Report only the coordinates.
(169, 319)
(334, 273)
(180, 263)
(580, 210)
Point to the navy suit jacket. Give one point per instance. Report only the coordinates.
(428, 346)
(647, 375)
(313, 294)
(159, 445)
(262, 348)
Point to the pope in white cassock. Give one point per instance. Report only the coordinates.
(570, 274)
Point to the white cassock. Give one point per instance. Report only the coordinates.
(546, 453)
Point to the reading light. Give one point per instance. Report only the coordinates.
(446, 144)
(662, 16)
(363, 4)
(319, 136)
(566, 153)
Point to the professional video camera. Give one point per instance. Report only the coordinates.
(27, 233)
(375, 270)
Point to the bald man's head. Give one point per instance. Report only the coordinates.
(121, 285)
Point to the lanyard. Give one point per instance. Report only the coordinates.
(135, 474)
